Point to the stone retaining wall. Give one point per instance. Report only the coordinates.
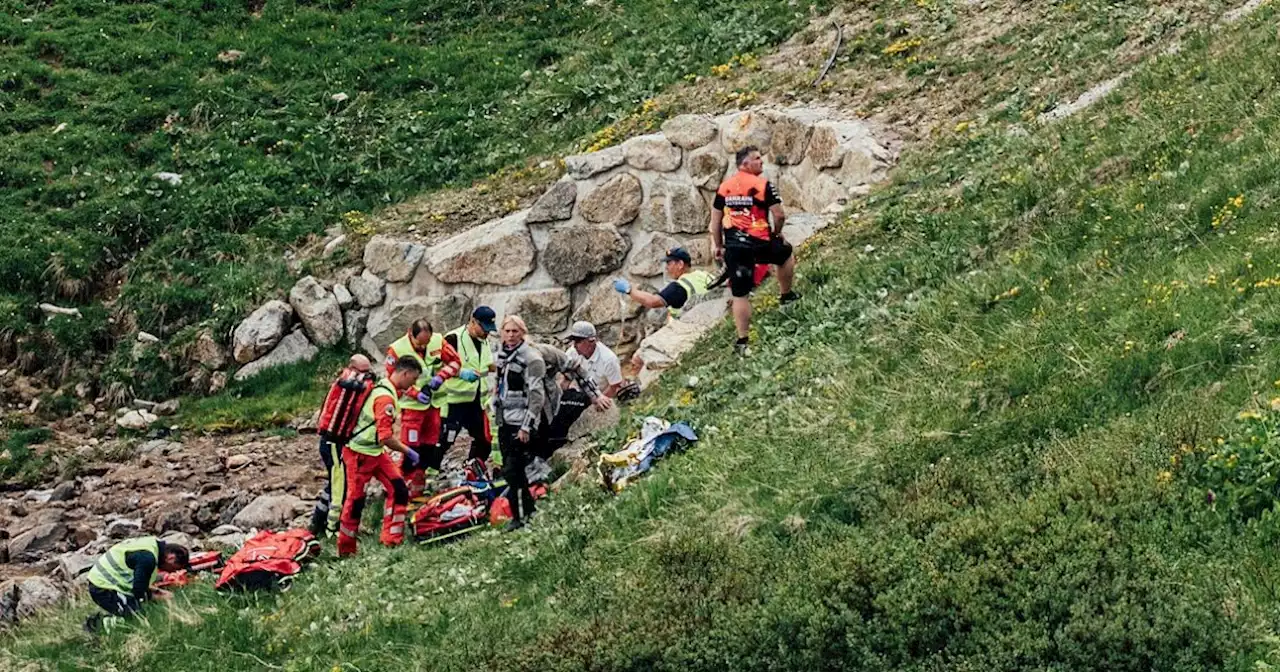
(613, 214)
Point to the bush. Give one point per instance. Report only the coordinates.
(1238, 473)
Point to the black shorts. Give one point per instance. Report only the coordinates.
(743, 252)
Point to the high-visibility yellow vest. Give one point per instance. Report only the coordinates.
(112, 573)
(696, 284)
(404, 348)
(478, 359)
(365, 440)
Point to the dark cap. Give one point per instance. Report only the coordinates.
(678, 254)
(485, 316)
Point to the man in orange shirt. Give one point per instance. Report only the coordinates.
(746, 238)
(365, 458)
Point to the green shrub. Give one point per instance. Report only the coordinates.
(1238, 473)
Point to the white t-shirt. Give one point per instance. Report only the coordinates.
(602, 365)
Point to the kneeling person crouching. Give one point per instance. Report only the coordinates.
(125, 576)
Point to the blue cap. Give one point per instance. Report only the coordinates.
(485, 316)
(678, 254)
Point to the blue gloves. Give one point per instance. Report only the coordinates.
(622, 286)
(410, 458)
(436, 382)
(469, 376)
(424, 396)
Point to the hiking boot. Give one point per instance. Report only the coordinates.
(513, 525)
(789, 297)
(93, 624)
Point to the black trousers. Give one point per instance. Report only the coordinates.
(516, 457)
(471, 417)
(573, 403)
(114, 602)
(321, 521)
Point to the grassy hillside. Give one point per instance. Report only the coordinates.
(999, 433)
(330, 107)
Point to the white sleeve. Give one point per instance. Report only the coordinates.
(613, 370)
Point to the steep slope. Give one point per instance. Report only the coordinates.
(274, 119)
(966, 449)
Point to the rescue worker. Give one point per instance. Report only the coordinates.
(527, 399)
(686, 288)
(338, 418)
(466, 396)
(123, 578)
(420, 410)
(746, 238)
(364, 458)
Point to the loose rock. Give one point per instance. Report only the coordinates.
(63, 491)
(267, 512)
(261, 331)
(318, 310)
(123, 528)
(42, 537)
(206, 352)
(293, 348)
(343, 296)
(136, 420)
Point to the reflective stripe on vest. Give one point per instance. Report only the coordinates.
(365, 440)
(742, 195)
(696, 284)
(111, 572)
(458, 391)
(404, 348)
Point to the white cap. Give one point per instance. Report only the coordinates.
(584, 330)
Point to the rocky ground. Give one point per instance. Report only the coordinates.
(204, 492)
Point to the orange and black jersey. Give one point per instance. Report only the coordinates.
(745, 199)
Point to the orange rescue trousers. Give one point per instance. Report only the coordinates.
(359, 469)
(420, 430)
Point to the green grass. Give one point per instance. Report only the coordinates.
(959, 452)
(270, 399)
(18, 462)
(97, 96)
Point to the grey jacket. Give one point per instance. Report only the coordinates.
(528, 394)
